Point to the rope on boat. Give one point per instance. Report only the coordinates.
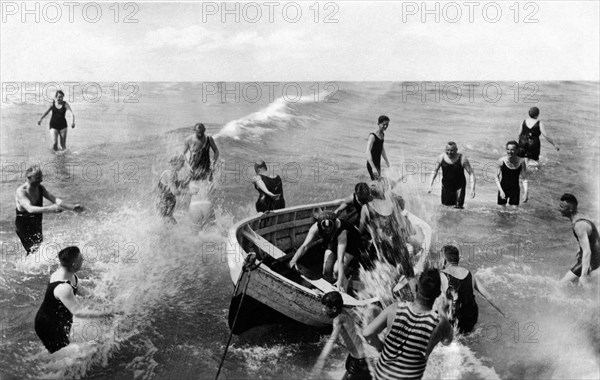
(249, 265)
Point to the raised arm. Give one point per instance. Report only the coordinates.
(44, 115)
(471, 172)
(312, 232)
(545, 134)
(438, 163)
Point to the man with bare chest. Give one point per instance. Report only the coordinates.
(29, 199)
(199, 145)
(510, 169)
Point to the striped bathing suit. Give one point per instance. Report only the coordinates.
(405, 348)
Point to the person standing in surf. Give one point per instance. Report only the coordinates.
(169, 186)
(413, 331)
(375, 149)
(270, 189)
(29, 199)
(454, 182)
(344, 327)
(529, 139)
(54, 318)
(586, 233)
(199, 145)
(510, 168)
(58, 121)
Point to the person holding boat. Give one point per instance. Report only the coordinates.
(459, 285)
(337, 235)
(413, 331)
(344, 326)
(353, 204)
(199, 145)
(270, 189)
(375, 149)
(586, 233)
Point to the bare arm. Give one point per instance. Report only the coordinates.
(370, 143)
(364, 219)
(341, 251)
(312, 232)
(524, 177)
(442, 333)
(471, 172)
(344, 205)
(497, 179)
(59, 202)
(64, 293)
(582, 229)
(384, 155)
(438, 163)
(377, 325)
(44, 115)
(261, 185)
(479, 287)
(26, 203)
(318, 367)
(211, 141)
(72, 114)
(545, 134)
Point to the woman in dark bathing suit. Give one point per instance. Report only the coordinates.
(375, 149)
(58, 121)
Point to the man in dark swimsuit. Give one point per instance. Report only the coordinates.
(586, 233)
(375, 149)
(510, 168)
(454, 182)
(529, 138)
(459, 285)
(29, 208)
(199, 146)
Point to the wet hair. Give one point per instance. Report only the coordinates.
(199, 125)
(534, 112)
(260, 165)
(383, 119)
(512, 142)
(451, 254)
(59, 92)
(569, 198)
(176, 159)
(326, 218)
(68, 256)
(333, 299)
(429, 285)
(32, 170)
(452, 143)
(363, 192)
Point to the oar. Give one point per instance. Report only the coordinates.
(491, 303)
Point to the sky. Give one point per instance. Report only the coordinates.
(285, 41)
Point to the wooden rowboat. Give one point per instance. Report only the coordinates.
(272, 290)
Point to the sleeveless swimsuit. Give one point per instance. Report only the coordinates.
(200, 162)
(53, 320)
(466, 311)
(454, 183)
(376, 150)
(594, 240)
(265, 203)
(29, 226)
(529, 141)
(510, 185)
(58, 120)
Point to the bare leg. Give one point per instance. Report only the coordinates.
(63, 138)
(54, 137)
(569, 277)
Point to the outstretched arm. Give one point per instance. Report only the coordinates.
(64, 293)
(312, 232)
(344, 205)
(479, 287)
(26, 203)
(59, 202)
(545, 134)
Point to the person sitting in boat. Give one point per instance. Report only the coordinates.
(344, 326)
(334, 232)
(459, 285)
(353, 204)
(270, 189)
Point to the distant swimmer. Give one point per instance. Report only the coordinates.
(375, 149)
(342, 245)
(586, 233)
(353, 204)
(412, 332)
(454, 183)
(58, 121)
(510, 168)
(529, 138)
(344, 327)
(54, 319)
(199, 146)
(270, 189)
(169, 186)
(29, 202)
(459, 285)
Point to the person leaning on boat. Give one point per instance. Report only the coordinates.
(270, 189)
(334, 232)
(353, 204)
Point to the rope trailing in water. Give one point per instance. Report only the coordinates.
(249, 265)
